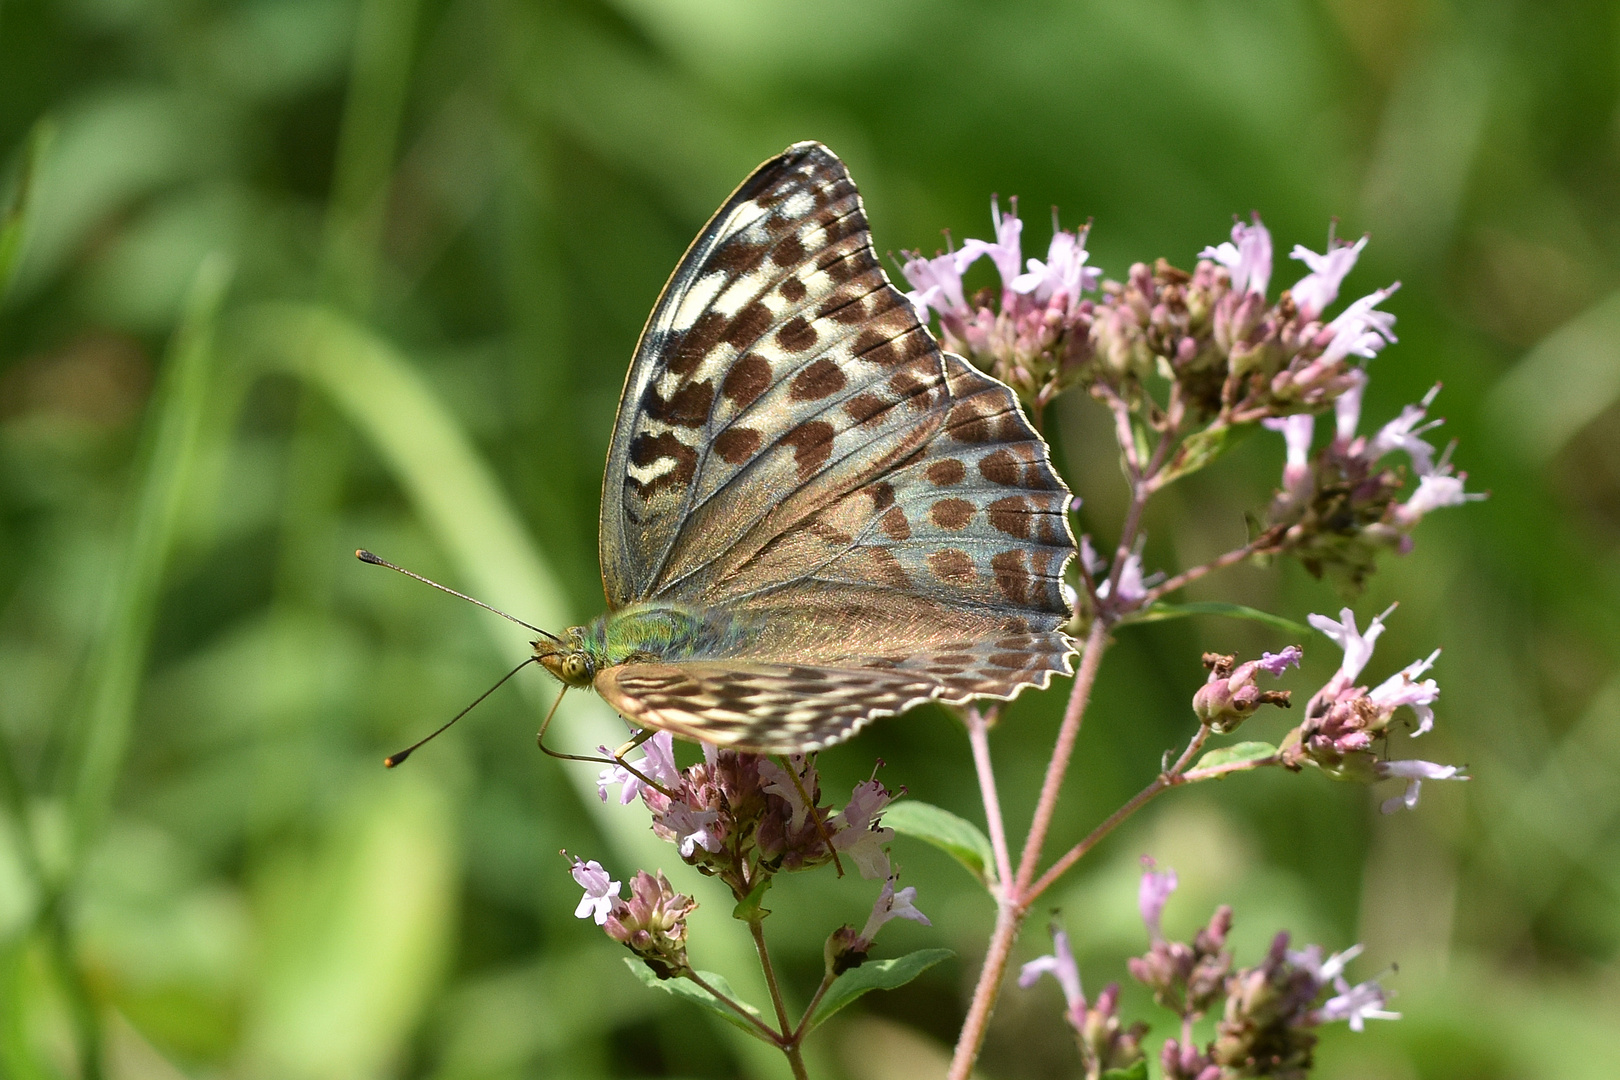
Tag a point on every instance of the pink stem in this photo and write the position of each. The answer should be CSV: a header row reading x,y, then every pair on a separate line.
x,y
979,738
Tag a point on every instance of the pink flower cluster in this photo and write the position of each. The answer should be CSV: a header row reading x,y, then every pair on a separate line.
x,y
1347,724
1268,1012
742,818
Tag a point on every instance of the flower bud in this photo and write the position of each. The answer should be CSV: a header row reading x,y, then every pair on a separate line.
x,y
1230,696
652,924
845,949
1106,1042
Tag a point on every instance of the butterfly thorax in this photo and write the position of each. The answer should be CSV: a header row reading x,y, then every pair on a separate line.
x,y
645,633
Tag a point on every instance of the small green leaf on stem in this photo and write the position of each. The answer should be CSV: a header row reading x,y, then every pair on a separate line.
x,y
1199,449
751,907
1236,753
1139,1071
955,836
691,991
1161,611
875,975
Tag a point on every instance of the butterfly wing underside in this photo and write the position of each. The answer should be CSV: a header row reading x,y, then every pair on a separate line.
x,y
793,446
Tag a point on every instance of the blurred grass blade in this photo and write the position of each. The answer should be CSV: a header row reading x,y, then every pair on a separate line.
x,y
462,504
175,417
1161,611
442,473
1562,384
378,86
14,220
353,941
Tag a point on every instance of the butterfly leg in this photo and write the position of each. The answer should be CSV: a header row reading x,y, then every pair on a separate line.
x,y
821,826
640,737
616,759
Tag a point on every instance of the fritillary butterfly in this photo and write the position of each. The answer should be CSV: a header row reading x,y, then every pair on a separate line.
x,y
812,516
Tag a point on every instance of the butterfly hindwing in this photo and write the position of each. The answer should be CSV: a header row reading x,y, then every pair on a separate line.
x,y
764,708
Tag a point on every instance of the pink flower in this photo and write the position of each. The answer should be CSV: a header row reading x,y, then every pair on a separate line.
x,y
892,905
1435,491
1357,1004
1323,970
1402,688
1152,894
1297,431
1360,330
1402,433
1132,585
777,782
936,283
857,833
693,829
1277,663
1063,273
1062,967
1358,647
1316,290
1414,773
600,893
1347,407
1247,257
1005,252
657,763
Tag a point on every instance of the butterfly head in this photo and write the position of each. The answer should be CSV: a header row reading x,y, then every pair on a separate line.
x,y
567,658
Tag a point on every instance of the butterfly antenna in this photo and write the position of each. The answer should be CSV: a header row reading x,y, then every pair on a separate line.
x,y
394,759
367,557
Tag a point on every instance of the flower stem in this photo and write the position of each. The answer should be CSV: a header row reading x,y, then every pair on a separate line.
x,y
1057,768
810,1010
1265,543
1171,777
1010,906
764,1029
987,990
795,1057
756,927
978,728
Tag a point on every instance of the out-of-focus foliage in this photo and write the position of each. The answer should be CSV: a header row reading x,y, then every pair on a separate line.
x,y
295,276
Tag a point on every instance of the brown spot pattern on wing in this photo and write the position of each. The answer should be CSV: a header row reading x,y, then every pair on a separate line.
x,y
801,448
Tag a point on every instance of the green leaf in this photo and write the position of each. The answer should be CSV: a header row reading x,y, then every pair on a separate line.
x,y
14,219
751,907
691,991
1139,1071
1237,752
957,837
875,975
1201,449
1161,611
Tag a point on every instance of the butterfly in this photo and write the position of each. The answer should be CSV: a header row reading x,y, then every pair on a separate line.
x,y
812,516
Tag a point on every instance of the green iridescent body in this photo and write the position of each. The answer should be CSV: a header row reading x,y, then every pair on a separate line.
x,y
649,632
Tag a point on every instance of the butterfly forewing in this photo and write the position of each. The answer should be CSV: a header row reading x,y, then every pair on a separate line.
x,y
793,447
733,326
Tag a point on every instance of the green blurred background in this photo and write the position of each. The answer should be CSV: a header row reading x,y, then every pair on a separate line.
x,y
298,276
